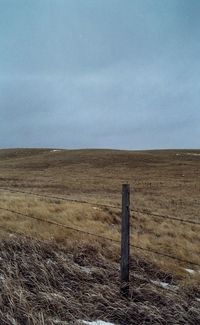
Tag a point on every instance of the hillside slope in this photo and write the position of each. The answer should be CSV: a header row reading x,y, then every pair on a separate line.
x,y
51,274
43,283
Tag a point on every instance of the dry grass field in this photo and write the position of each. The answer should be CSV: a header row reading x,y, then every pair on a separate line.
x,y
163,182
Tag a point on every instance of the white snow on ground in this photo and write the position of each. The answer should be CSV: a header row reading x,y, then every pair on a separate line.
x,y
96,208
98,322
193,272
55,150
190,271
198,299
193,154
85,269
165,285
189,154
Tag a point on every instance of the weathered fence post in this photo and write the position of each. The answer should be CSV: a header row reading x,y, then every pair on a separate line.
x,y
125,239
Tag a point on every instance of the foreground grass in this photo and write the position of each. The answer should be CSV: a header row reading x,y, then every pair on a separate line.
x,y
162,236
45,283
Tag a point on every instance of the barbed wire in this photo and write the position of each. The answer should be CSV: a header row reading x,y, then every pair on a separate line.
x,y
166,217
147,278
100,236
61,198
164,255
57,224
106,206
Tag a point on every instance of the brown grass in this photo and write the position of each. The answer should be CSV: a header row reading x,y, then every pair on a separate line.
x,y
43,283
164,182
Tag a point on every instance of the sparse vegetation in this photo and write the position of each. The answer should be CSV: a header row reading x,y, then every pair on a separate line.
x,y
43,283
165,182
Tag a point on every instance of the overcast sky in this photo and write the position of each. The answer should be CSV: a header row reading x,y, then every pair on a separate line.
x,y
100,73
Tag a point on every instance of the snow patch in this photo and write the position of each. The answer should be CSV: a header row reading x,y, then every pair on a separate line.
x,y
55,150
198,299
193,272
188,154
85,269
165,285
98,322
193,154
190,271
96,208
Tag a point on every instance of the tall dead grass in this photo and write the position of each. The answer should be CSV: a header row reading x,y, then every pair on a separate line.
x,y
43,283
166,182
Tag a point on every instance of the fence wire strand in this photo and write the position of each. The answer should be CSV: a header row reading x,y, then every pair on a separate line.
x,y
143,212
100,236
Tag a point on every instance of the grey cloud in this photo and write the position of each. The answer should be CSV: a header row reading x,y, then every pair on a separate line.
x,y
99,73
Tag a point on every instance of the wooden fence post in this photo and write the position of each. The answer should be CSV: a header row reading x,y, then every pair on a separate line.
x,y
125,239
